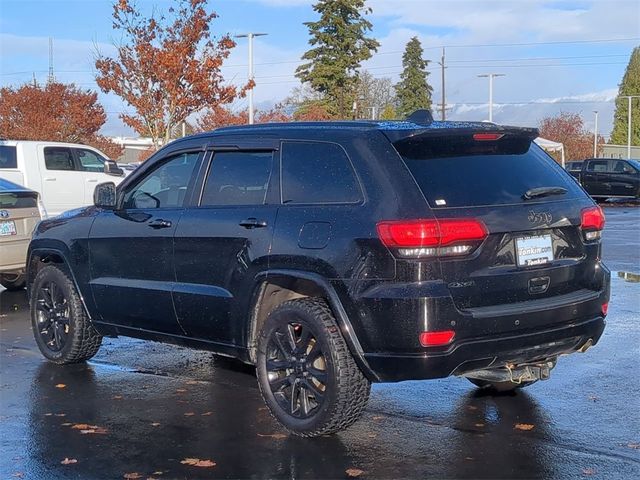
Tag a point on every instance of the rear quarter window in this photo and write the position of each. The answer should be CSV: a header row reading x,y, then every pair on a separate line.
x,y
317,172
8,157
458,172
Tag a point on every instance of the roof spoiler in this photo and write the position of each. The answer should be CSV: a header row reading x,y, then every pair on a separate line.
x,y
421,117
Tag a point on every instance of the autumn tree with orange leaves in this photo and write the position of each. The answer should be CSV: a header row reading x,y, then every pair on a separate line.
x,y
568,129
166,68
55,112
224,117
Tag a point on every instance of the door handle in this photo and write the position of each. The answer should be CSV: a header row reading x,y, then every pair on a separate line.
x,y
49,179
92,180
253,223
159,223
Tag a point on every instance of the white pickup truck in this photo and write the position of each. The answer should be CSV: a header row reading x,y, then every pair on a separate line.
x,y
65,174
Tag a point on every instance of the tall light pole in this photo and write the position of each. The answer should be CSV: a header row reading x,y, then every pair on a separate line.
x,y
251,36
491,76
595,137
629,97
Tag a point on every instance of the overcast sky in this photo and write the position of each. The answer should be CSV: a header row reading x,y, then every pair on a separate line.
x,y
557,55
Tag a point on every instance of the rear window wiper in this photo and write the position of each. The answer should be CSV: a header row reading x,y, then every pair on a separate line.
x,y
543,192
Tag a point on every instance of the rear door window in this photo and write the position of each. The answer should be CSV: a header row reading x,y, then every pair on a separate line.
x,y
58,158
8,157
317,172
459,172
237,178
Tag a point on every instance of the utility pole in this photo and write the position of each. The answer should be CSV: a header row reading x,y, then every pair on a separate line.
x,y
443,108
595,137
51,78
251,36
491,76
629,97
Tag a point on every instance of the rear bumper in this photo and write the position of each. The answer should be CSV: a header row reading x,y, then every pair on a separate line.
x,y
487,352
13,254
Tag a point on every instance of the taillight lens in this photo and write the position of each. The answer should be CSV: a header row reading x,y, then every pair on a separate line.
x,y
487,137
592,222
434,237
605,309
435,339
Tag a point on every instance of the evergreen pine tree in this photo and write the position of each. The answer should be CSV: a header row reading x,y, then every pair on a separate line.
x,y
339,44
413,91
630,86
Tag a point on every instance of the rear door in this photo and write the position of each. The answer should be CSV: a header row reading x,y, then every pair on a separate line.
x,y
595,176
528,238
222,242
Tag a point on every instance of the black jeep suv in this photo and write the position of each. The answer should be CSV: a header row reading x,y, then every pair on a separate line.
x,y
332,255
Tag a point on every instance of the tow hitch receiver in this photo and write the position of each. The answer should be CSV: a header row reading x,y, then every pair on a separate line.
x,y
527,372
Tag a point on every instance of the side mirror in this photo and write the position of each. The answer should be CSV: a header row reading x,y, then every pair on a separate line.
x,y
104,196
112,168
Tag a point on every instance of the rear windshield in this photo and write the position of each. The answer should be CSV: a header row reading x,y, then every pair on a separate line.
x,y
8,157
18,200
459,172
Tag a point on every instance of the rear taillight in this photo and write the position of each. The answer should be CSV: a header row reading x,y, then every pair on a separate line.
x,y
435,339
592,223
430,238
605,309
487,137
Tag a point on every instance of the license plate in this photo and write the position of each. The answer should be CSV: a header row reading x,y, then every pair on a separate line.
x,y
8,228
532,251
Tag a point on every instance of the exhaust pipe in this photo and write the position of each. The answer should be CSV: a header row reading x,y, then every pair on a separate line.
x,y
587,345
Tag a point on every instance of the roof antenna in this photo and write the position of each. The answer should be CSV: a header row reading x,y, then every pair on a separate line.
x,y
421,117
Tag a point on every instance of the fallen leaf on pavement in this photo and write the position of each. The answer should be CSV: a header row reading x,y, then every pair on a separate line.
x,y
277,436
593,398
68,461
89,429
634,445
82,426
189,414
66,424
377,417
193,382
18,475
206,414
588,471
132,476
60,385
61,414
48,414
472,407
180,390
159,472
354,472
524,426
478,424
196,462
117,397
155,424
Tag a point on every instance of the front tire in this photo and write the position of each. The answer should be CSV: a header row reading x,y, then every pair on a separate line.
x,y
13,282
61,327
306,374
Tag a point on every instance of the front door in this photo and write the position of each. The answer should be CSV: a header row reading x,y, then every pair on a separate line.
x,y
222,243
131,248
62,185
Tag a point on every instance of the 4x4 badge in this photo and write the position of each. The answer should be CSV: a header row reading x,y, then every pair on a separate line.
x,y
540,217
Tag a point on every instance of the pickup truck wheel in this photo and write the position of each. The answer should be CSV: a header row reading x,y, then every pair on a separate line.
x,y
13,282
306,374
61,327
500,386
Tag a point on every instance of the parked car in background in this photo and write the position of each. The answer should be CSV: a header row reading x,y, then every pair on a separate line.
x,y
20,211
574,168
65,174
610,177
332,255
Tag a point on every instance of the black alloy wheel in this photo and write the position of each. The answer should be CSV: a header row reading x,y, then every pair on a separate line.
x,y
52,316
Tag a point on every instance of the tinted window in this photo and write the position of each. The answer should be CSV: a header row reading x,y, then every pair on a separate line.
x,y
8,157
598,166
238,178
90,161
165,186
19,200
314,172
453,172
622,167
58,158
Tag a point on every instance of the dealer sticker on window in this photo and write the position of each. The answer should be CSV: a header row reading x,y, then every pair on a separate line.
x,y
532,251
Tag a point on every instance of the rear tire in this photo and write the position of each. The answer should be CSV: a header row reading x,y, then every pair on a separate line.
x,y
500,387
62,329
13,282
306,374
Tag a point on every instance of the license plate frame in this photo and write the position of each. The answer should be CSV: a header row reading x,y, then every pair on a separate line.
x,y
534,250
8,228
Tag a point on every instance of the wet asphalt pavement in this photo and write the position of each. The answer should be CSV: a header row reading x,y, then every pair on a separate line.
x,y
140,409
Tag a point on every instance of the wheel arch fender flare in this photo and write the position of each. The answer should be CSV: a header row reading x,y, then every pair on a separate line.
x,y
332,298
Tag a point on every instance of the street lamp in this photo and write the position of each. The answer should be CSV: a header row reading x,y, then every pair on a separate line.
x,y
251,36
491,76
595,136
